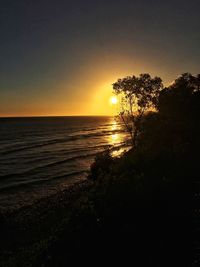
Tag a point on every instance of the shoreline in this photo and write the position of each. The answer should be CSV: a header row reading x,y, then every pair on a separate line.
x,y
28,194
61,192
39,224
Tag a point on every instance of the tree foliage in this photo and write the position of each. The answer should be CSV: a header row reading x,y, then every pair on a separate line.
x,y
181,98
138,95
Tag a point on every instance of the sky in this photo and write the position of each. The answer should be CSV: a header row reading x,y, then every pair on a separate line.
x,y
60,57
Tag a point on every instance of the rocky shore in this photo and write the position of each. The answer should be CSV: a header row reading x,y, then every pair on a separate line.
x,y
28,231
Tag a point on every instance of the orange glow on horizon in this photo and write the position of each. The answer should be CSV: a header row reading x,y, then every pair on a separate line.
x,y
88,92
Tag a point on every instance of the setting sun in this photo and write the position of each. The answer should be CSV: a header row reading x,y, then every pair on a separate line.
x,y
113,100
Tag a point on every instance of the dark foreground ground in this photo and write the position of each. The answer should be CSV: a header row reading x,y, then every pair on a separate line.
x,y
65,229
28,233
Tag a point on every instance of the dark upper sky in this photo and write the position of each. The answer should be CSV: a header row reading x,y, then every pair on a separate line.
x,y
60,57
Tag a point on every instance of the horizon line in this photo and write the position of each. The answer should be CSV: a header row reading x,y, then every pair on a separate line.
x,y
53,116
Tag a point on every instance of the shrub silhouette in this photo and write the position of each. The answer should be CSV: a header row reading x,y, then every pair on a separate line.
x,y
150,186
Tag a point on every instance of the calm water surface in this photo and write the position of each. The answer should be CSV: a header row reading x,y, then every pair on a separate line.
x,y
40,155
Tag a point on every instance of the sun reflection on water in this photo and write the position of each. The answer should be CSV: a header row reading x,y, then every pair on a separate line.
x,y
114,126
114,139
117,139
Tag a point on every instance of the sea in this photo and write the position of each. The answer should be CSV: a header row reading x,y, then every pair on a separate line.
x,y
41,155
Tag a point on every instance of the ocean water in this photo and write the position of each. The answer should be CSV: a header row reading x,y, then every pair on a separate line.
x,y
39,155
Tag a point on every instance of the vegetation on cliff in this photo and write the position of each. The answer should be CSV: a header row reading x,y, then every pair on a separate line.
x,y
136,208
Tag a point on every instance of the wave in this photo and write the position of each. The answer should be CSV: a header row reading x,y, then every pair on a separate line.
x,y
36,169
46,150
23,183
63,140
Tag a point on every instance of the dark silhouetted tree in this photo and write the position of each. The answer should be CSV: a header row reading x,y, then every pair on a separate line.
x,y
181,99
138,95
